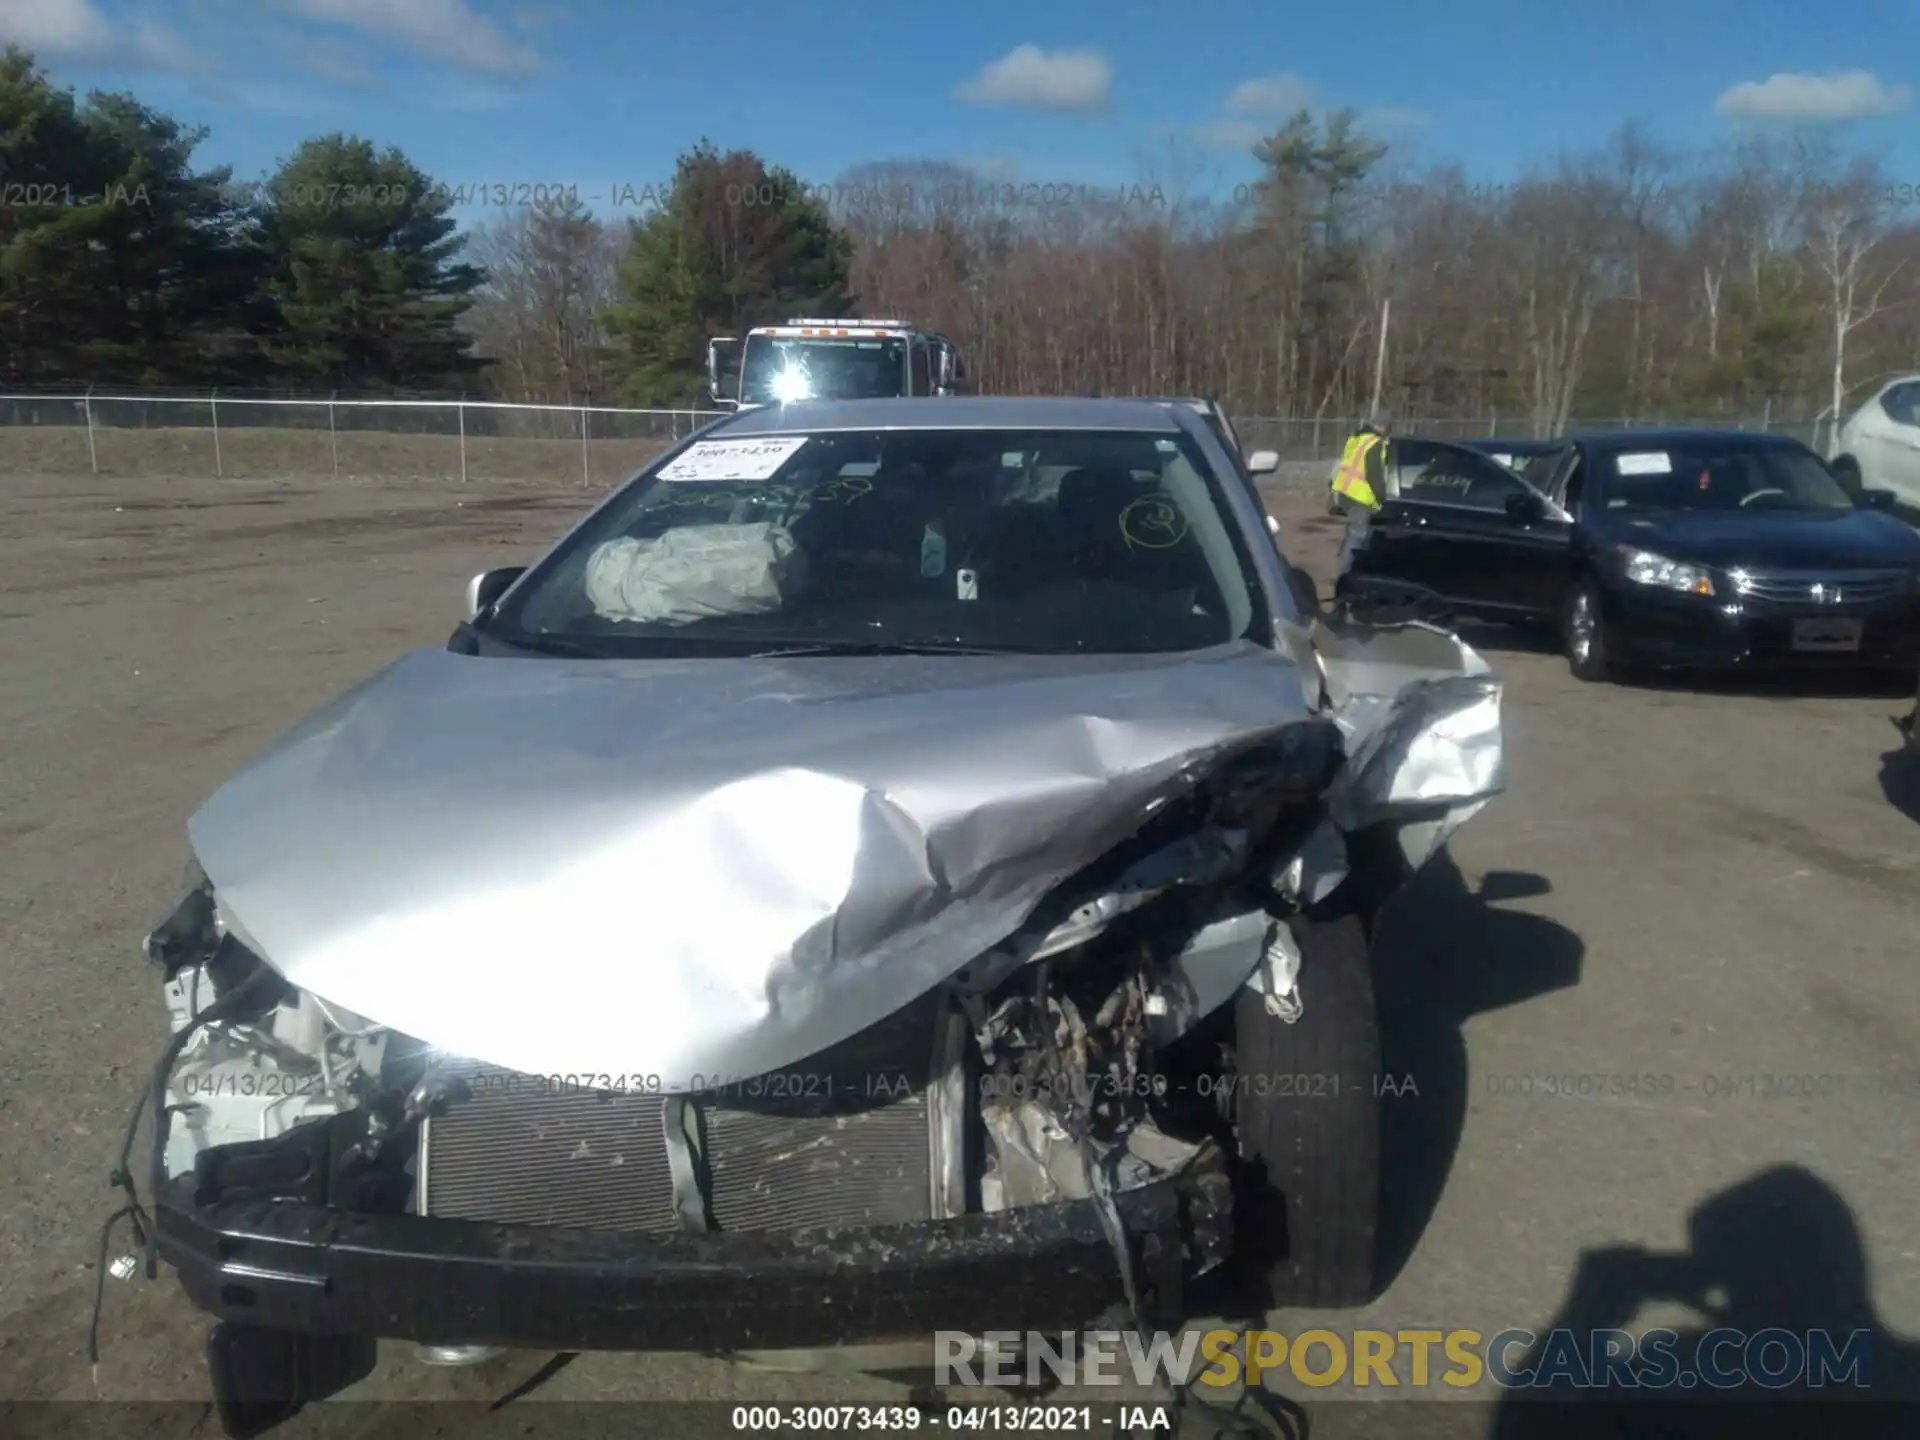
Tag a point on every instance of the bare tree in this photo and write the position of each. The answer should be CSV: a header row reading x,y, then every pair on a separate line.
x,y
1626,283
1844,232
551,271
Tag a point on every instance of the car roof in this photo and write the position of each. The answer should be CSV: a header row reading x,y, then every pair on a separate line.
x,y
1479,444
1517,447
1608,440
955,412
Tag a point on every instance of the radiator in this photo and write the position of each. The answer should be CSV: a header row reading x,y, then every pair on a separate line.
x,y
864,1134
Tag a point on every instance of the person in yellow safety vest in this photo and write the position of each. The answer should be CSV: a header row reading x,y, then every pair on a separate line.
x,y
1360,476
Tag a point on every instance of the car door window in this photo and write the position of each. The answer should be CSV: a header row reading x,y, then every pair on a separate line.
x,y
1542,471
1902,404
1458,477
1233,436
1218,425
1406,461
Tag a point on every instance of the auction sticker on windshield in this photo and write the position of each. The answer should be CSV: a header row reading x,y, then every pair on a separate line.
x,y
732,459
1645,462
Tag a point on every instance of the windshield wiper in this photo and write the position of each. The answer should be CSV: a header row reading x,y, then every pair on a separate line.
x,y
559,646
891,647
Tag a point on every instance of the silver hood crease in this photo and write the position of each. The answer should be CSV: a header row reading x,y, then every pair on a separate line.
x,y
685,872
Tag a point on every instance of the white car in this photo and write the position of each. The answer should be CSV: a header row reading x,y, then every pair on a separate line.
x,y
1879,447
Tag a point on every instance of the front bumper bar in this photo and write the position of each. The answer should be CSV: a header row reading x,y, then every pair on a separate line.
x,y
1693,632
311,1269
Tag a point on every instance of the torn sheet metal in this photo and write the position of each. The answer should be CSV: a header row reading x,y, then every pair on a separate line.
x,y
1277,977
1316,869
720,867
1421,712
1035,1161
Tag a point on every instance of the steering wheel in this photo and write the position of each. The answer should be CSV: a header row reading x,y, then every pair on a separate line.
x,y
1748,499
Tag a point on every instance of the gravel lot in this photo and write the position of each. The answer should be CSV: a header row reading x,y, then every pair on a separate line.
x,y
1717,893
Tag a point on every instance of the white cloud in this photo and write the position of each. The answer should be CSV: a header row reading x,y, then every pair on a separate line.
x,y
265,98
450,30
1232,134
338,64
77,30
1030,77
1283,95
1280,94
1847,95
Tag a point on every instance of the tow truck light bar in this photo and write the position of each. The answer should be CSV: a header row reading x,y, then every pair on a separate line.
x,y
857,324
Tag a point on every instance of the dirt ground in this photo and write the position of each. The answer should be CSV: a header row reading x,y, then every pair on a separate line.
x,y
1676,957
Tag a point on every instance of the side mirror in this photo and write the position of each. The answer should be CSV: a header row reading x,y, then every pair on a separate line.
x,y
488,586
943,372
1525,507
1879,499
1263,462
721,386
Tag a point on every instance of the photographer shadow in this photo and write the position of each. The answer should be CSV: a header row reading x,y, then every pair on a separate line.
x,y
1900,768
1780,1251
1444,952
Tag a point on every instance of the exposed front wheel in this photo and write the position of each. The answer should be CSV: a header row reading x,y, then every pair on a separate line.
x,y
1307,1109
1585,633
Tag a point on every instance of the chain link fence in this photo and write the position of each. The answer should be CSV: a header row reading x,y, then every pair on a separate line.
x,y
476,440
341,439
1310,440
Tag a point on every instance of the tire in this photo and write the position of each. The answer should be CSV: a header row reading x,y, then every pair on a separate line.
x,y
1311,1162
1587,655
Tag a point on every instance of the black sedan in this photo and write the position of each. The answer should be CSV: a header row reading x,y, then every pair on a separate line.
x,y
1672,549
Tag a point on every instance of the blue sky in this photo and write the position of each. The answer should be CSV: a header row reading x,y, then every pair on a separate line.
x,y
603,95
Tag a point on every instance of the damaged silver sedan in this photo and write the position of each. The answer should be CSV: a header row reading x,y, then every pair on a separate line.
x,y
894,866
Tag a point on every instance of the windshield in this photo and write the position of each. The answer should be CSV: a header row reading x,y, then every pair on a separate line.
x,y
774,370
1049,542
1720,475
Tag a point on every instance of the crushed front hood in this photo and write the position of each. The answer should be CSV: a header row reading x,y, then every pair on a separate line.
x,y
674,872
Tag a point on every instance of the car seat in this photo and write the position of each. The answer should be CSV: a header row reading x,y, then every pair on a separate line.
x,y
1087,514
1127,531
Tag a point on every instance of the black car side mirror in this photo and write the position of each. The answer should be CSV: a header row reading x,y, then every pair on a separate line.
x,y
1878,499
1525,507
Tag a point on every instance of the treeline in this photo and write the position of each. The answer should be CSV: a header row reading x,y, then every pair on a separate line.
x,y
1769,277
121,264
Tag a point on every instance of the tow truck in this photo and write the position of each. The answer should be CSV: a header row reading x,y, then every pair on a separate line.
x,y
831,360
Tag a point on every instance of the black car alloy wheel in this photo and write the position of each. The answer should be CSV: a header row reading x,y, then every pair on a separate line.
x,y
1586,634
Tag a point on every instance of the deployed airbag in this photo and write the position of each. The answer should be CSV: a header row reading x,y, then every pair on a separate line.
x,y
694,572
